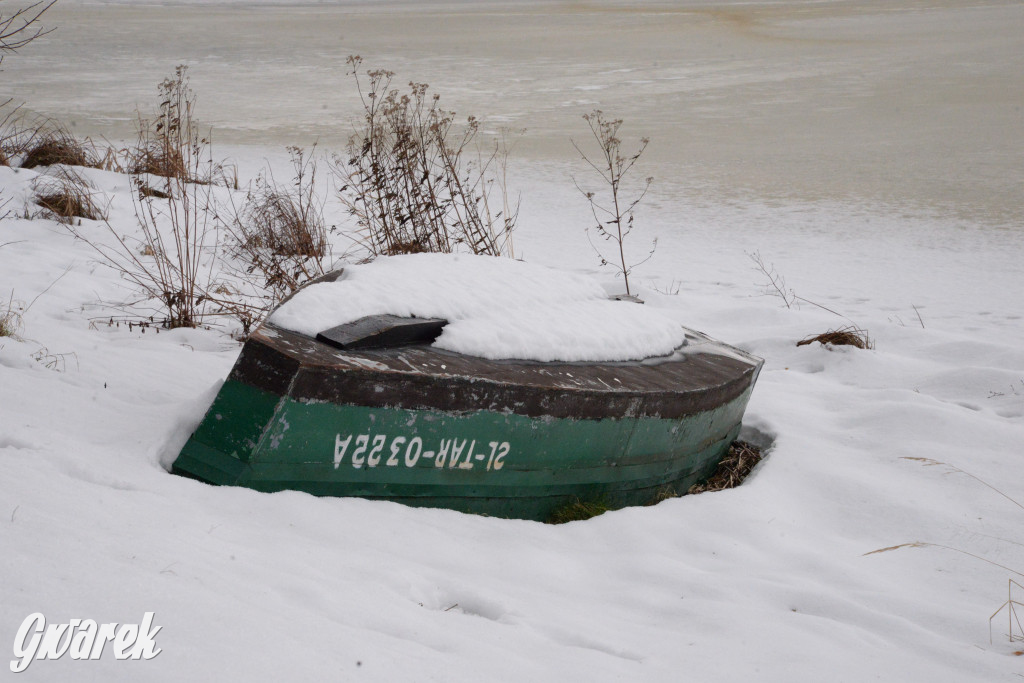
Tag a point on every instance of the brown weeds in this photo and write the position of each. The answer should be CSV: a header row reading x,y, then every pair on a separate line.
x,y
410,182
147,191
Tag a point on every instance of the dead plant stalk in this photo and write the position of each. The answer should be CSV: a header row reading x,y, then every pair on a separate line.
x,y
1010,603
613,166
172,262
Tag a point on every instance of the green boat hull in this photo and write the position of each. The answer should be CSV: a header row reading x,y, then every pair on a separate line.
x,y
413,436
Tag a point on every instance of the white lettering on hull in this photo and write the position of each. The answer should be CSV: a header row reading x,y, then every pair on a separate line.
x,y
451,453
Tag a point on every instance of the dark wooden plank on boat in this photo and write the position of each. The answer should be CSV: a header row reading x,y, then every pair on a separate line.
x,y
423,377
383,331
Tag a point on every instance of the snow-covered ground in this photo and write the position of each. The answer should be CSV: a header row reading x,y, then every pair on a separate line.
x,y
766,582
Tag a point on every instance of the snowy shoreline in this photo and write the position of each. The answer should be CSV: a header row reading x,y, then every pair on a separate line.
x,y
774,569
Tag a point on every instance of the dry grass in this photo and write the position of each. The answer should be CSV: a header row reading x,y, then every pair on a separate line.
x,y
279,234
11,322
1011,605
278,222
844,336
66,195
154,156
576,511
109,160
734,468
50,144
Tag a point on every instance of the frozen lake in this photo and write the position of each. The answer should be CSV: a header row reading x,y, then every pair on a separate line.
x,y
916,107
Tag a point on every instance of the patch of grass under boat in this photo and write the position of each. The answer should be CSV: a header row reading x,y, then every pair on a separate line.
x,y
734,468
577,510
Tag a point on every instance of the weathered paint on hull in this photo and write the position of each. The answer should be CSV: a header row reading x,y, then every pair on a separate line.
x,y
498,463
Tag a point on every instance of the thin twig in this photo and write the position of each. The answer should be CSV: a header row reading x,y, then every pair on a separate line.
x,y
929,462
923,544
918,315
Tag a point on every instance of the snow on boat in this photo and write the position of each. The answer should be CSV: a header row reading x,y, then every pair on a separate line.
x,y
377,407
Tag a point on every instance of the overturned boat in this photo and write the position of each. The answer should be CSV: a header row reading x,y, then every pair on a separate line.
x,y
375,408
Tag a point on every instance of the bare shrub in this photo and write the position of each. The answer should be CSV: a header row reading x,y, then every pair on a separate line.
x,y
65,195
172,262
22,27
175,226
17,30
409,180
168,142
614,218
279,233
